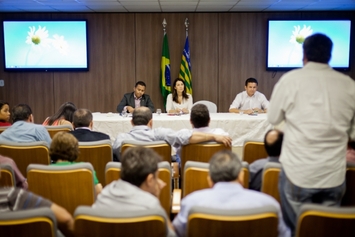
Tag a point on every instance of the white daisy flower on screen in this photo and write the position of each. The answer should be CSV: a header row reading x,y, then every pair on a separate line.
x,y
37,38
60,44
299,35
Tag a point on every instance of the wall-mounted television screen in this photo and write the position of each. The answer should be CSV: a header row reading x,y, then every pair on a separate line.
x,y
285,39
45,45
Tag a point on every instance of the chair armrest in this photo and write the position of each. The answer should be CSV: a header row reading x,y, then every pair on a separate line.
x,y
175,208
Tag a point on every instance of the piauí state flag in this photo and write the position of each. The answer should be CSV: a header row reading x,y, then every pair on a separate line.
x,y
185,67
165,79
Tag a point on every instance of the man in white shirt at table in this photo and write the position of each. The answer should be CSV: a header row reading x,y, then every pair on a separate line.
x,y
142,122
250,100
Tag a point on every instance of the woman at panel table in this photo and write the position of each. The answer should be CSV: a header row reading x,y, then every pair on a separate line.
x,y
4,114
179,101
64,115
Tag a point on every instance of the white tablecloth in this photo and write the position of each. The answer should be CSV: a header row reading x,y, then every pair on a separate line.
x,y
239,127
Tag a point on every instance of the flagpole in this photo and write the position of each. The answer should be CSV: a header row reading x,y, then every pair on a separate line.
x,y
187,26
164,25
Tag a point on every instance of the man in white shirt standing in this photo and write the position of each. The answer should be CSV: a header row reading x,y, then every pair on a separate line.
x,y
250,100
318,106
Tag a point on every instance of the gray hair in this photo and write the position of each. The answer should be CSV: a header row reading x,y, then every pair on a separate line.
x,y
225,166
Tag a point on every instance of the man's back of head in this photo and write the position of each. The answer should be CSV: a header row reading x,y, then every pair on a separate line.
x,y
318,48
199,116
82,118
273,142
137,164
141,116
21,112
225,166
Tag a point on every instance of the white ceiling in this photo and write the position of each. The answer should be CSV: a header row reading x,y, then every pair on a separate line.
x,y
173,5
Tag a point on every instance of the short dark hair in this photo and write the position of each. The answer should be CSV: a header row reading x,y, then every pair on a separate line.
x,y
64,146
21,112
137,163
199,116
141,116
140,83
251,80
225,166
318,48
82,118
274,148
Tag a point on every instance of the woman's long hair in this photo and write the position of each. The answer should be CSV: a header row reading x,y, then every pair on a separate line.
x,y
65,111
175,95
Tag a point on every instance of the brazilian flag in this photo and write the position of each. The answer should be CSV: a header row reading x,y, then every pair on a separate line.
x,y
165,80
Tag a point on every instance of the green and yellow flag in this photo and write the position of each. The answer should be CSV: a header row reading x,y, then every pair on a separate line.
x,y
185,67
165,80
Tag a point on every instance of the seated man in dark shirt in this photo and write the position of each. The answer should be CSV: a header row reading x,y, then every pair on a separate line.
x,y
273,143
82,123
16,199
135,99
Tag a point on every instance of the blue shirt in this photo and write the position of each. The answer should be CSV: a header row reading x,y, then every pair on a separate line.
x,y
226,195
22,131
256,171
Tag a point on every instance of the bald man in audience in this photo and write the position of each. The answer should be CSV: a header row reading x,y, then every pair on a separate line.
x,y
82,123
272,143
226,193
142,121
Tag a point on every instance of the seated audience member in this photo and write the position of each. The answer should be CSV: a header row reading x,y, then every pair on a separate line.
x,y
142,131
21,182
64,115
200,120
17,199
64,150
23,129
250,100
82,123
226,192
4,114
135,99
179,101
273,143
139,186
350,153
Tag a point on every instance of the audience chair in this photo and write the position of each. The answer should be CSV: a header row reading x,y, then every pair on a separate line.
x,y
209,222
52,130
320,220
2,128
161,147
7,176
26,153
113,170
98,153
90,222
270,180
39,222
245,168
349,196
201,152
69,186
194,177
212,107
253,150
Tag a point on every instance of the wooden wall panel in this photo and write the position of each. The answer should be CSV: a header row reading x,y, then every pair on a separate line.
x,y
226,49
112,64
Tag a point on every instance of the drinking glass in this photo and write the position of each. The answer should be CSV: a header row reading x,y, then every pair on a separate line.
x,y
158,111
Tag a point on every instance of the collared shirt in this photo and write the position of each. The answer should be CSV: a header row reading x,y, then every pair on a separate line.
x,y
244,102
22,131
217,131
137,101
229,196
146,134
318,106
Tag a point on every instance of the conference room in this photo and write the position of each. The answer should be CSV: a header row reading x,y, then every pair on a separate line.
x,y
228,42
